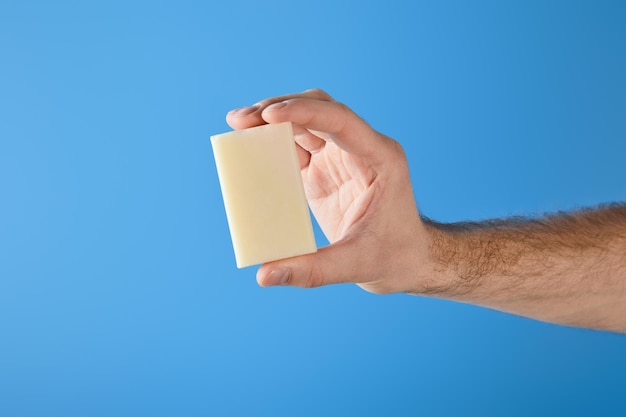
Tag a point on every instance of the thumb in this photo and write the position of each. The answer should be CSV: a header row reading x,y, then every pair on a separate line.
x,y
338,263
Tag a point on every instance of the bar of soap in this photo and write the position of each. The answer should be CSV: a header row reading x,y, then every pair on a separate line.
x,y
267,212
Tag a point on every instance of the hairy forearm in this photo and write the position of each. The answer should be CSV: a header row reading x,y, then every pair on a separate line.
x,y
565,268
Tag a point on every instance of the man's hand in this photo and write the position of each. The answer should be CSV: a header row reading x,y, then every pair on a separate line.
x,y
568,268
358,186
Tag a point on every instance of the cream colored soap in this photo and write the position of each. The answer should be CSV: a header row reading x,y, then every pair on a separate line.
x,y
263,194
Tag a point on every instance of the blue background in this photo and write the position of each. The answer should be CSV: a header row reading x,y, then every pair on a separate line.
x,y
118,288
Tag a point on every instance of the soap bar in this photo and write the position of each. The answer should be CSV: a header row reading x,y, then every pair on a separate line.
x,y
267,212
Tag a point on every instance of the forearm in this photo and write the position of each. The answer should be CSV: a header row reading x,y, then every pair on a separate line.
x,y
568,268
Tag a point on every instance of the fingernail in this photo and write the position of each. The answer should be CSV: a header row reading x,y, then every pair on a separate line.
x,y
276,106
278,276
242,111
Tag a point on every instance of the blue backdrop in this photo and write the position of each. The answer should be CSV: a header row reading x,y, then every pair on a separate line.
x,y
119,294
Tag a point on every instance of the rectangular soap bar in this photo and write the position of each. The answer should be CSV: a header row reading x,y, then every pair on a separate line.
x,y
263,194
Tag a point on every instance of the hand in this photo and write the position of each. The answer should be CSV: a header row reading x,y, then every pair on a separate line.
x,y
357,184
566,269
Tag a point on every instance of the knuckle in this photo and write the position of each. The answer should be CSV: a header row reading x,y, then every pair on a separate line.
x,y
396,152
343,107
318,93
312,281
314,278
264,103
345,111
399,151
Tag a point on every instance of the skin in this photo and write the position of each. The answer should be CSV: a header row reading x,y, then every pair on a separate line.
x,y
567,268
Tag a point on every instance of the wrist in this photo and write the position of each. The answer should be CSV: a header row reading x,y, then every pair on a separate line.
x,y
440,271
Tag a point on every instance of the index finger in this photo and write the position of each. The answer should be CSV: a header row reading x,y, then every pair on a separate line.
x,y
335,121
